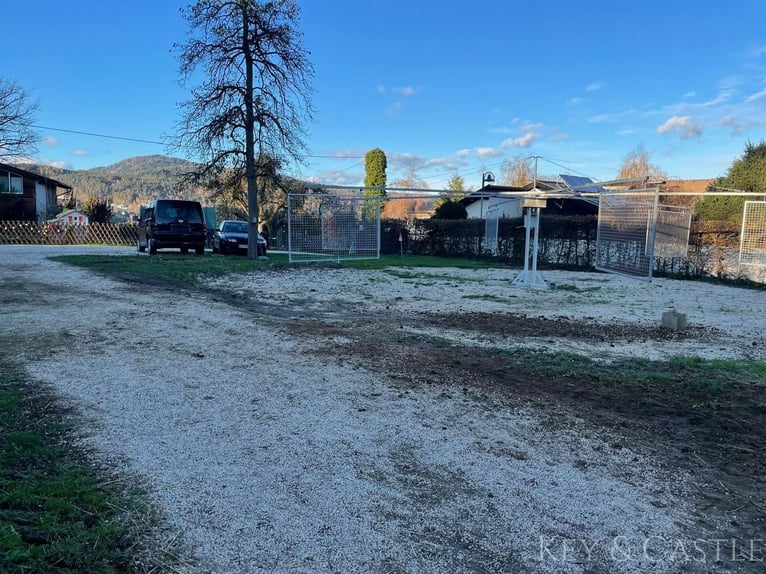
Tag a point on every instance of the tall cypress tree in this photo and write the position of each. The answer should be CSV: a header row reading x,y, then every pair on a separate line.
x,y
374,176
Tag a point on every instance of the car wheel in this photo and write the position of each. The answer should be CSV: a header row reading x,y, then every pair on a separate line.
x,y
184,250
199,250
139,247
215,249
152,247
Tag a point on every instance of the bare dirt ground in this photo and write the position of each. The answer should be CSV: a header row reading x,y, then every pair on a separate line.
x,y
330,420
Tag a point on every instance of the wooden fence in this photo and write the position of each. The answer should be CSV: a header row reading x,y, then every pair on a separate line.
x,y
35,233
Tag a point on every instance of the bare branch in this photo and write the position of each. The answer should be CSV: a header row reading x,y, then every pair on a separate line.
x,y
18,139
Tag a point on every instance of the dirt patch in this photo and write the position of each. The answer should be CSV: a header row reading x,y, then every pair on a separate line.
x,y
586,329
721,446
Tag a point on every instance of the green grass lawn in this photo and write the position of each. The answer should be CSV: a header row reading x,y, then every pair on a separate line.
x,y
187,269
710,373
56,515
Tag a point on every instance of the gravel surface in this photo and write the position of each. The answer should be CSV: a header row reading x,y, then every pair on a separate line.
x,y
264,457
733,318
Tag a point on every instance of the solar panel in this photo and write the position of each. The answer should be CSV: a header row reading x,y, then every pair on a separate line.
x,y
580,183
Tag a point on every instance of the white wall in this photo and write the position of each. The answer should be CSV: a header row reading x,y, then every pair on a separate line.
x,y
507,207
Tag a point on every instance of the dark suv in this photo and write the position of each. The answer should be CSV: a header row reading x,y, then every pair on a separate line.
x,y
172,223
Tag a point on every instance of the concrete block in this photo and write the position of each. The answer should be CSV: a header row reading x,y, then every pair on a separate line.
x,y
674,320
669,320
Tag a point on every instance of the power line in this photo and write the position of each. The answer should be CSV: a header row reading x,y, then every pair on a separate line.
x,y
122,138
97,135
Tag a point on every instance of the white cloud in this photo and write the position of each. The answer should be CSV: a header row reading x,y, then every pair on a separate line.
x,y
626,132
405,91
81,153
50,141
594,87
756,96
523,142
602,118
758,51
394,109
338,177
348,154
575,101
443,164
737,127
463,152
688,95
683,125
51,162
405,161
488,152
723,96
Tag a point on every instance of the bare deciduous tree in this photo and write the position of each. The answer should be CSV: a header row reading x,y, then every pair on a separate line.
x,y
516,172
254,96
637,164
18,139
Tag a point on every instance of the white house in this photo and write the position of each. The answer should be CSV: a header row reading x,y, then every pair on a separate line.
x,y
69,217
505,204
506,199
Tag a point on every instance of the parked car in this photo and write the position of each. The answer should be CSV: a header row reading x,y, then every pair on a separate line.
x,y
231,237
172,224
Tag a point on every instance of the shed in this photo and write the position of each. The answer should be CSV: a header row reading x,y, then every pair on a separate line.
x,y
507,200
27,195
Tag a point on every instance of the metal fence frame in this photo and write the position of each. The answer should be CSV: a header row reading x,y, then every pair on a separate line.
x,y
752,247
491,226
627,223
332,227
674,224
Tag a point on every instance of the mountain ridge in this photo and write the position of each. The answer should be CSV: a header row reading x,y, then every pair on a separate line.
x,y
131,182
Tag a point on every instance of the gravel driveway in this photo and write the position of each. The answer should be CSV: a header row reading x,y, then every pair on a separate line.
x,y
265,456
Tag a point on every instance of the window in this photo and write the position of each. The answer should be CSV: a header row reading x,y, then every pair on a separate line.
x,y
17,184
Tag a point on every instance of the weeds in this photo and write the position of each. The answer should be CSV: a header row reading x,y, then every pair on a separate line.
x,y
54,514
692,375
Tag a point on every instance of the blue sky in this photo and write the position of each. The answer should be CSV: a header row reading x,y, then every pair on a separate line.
x,y
442,87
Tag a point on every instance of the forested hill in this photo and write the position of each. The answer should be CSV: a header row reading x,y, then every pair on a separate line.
x,y
131,182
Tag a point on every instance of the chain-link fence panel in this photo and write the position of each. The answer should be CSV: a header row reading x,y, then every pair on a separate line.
x,y
752,249
335,227
672,237
625,235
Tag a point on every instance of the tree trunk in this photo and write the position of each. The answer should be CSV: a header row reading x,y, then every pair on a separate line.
x,y
252,182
